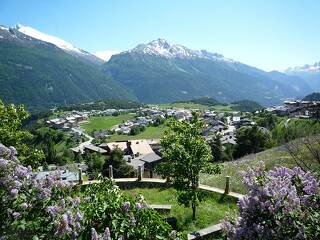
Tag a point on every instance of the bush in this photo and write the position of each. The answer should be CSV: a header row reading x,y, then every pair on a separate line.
x,y
281,204
49,208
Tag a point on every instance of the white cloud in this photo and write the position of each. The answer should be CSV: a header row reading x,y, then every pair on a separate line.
x,y
106,55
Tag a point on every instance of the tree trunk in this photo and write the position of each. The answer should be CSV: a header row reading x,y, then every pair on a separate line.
x,y
193,211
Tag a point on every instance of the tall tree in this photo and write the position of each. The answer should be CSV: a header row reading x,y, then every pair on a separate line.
x,y
119,164
187,155
216,148
12,134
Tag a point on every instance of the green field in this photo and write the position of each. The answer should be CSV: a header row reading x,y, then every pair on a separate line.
x,y
149,133
271,158
209,212
105,122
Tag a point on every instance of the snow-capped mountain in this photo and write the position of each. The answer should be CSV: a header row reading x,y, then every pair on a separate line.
x,y
306,68
60,43
163,48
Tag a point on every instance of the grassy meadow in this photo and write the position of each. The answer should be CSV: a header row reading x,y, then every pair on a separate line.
x,y
149,133
105,122
209,212
271,158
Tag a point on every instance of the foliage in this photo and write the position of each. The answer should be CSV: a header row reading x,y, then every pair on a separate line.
x,y
216,149
104,105
315,96
120,166
126,218
95,163
246,106
187,155
48,208
135,130
290,129
306,152
11,133
207,101
281,204
251,140
32,208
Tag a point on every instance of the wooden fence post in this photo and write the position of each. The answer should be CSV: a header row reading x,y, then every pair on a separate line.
x,y
139,173
80,176
110,172
227,189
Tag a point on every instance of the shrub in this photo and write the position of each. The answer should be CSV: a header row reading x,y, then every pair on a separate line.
x,y
49,208
281,204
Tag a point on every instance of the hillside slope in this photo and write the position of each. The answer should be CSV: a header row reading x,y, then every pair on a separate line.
x,y
41,75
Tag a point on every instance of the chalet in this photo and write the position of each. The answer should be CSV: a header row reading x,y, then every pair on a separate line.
x,y
94,149
123,146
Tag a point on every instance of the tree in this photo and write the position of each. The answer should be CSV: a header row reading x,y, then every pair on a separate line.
x,y
306,152
11,134
120,166
216,149
251,140
187,155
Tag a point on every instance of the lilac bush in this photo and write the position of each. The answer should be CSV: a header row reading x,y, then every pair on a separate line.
x,y
54,209
32,208
281,204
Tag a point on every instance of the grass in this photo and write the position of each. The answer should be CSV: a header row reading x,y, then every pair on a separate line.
x,y
105,122
148,133
209,212
271,158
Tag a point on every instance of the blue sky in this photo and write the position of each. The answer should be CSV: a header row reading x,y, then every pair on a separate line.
x,y
273,34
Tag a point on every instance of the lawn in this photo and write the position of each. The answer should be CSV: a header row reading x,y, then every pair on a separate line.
x,y
209,212
271,158
149,133
105,122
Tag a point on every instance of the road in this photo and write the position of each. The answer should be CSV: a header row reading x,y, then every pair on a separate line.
x,y
83,144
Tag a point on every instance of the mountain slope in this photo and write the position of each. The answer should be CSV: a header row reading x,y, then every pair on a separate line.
x,y
163,72
310,73
60,43
40,75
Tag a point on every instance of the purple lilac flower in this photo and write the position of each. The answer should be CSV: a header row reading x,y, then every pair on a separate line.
x,y
24,205
75,202
106,235
274,199
138,206
16,215
126,206
79,216
21,171
53,210
94,234
3,164
14,192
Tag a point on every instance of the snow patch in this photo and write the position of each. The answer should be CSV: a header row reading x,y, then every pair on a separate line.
x,y
47,38
4,28
306,68
106,55
163,48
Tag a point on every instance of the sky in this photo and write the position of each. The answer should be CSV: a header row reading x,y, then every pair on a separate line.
x,y
271,35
